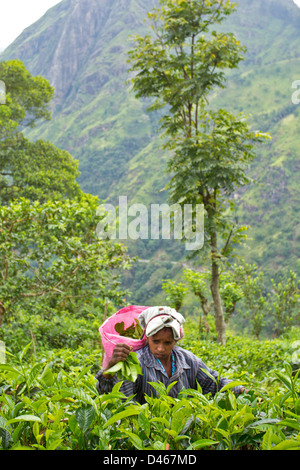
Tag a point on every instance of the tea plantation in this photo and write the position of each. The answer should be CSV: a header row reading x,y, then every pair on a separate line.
x,y
48,400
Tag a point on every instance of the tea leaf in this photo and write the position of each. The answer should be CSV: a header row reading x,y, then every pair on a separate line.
x,y
288,444
133,331
24,418
144,424
127,370
132,411
136,440
202,443
85,416
47,378
6,437
267,440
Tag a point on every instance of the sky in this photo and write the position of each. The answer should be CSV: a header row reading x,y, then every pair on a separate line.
x,y
16,15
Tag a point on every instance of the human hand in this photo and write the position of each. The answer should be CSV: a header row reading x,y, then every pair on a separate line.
x,y
120,353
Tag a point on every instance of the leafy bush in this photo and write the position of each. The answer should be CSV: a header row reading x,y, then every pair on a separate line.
x,y
53,403
52,259
51,331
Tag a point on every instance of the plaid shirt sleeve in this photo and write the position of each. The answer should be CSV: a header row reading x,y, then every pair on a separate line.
x,y
209,380
105,385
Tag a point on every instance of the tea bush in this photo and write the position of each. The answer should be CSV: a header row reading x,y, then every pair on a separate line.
x,y
52,403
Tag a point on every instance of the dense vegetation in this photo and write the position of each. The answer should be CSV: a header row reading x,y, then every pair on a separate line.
x,y
59,281
49,401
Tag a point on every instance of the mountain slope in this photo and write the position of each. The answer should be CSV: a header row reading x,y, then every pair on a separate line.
x,y
81,47
262,89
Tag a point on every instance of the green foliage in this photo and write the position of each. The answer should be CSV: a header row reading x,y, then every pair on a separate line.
x,y
54,175
230,292
27,97
174,293
52,403
198,283
54,328
133,331
254,305
284,302
34,170
126,370
183,61
248,299
276,307
53,265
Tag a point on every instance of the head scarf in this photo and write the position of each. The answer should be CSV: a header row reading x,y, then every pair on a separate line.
x,y
154,319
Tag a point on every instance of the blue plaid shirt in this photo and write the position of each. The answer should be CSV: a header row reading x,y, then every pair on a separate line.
x,y
187,373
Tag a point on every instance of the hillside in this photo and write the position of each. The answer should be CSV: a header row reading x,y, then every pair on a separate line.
x,y
81,47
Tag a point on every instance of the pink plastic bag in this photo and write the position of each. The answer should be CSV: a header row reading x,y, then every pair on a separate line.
x,y
110,338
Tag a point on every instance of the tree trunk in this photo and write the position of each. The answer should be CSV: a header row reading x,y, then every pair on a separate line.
x,y
2,312
219,316
215,291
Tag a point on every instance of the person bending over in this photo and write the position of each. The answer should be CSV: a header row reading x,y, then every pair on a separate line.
x,y
162,360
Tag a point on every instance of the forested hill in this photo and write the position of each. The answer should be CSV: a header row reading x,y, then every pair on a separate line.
x,y
81,47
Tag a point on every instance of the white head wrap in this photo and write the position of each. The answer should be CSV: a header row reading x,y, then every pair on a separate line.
x,y
154,319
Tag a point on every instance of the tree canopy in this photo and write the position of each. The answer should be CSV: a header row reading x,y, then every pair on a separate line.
x,y
34,170
51,259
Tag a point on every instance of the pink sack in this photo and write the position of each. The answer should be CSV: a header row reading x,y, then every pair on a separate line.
x,y
110,338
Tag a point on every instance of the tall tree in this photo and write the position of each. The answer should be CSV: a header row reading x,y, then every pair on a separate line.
x,y
179,65
35,170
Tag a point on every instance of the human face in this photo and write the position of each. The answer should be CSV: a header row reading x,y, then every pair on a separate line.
x,y
161,344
